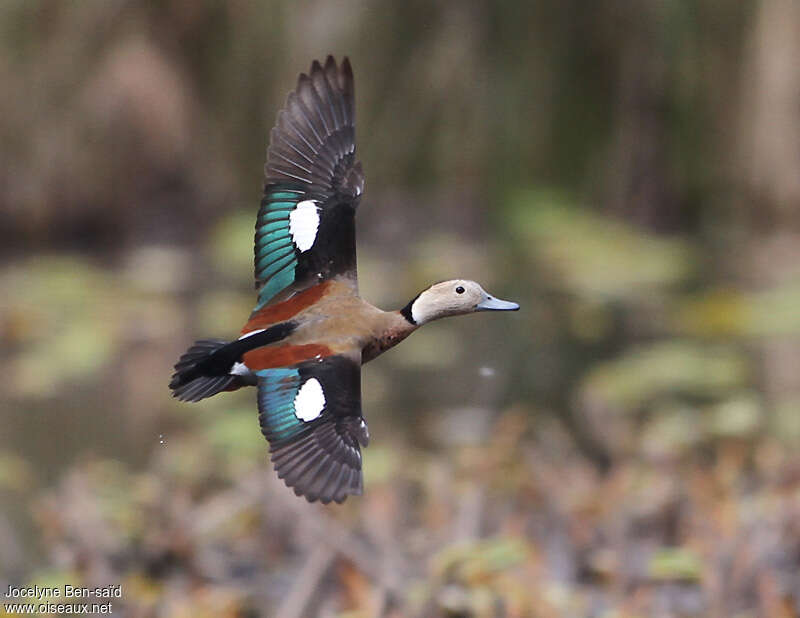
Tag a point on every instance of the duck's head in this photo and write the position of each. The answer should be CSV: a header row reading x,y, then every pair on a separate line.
x,y
455,297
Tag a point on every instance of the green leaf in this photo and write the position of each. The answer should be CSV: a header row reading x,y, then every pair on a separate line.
x,y
593,256
675,563
672,367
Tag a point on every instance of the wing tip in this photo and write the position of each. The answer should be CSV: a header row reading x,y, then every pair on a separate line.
x,y
314,473
341,75
331,492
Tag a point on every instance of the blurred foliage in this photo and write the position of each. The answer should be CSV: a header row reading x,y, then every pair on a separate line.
x,y
593,256
626,445
673,368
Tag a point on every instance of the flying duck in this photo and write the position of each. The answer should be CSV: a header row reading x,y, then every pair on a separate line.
x,y
310,331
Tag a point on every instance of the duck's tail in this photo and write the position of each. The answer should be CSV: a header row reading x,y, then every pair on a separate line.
x,y
204,370
211,366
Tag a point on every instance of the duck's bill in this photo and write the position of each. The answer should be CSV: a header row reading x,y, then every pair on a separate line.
x,y
495,304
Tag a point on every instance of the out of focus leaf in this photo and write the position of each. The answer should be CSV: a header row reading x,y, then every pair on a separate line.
x,y
680,367
744,314
675,563
720,312
594,256
735,417
63,326
475,561
671,431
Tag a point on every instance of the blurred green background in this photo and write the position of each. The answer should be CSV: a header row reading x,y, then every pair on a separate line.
x,y
626,445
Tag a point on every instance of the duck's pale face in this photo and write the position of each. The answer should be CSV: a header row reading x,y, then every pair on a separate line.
x,y
455,297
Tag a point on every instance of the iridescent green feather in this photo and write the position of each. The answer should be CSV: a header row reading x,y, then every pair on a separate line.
x,y
279,281
277,390
275,259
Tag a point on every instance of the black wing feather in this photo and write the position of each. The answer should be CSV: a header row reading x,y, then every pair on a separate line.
x,y
321,458
311,156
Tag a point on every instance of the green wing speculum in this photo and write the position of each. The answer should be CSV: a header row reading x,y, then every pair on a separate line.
x,y
311,415
305,232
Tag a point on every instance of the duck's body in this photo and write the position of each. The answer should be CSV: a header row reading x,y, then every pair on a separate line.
x,y
305,341
332,312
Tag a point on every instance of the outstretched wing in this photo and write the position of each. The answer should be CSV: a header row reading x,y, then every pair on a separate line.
x,y
311,415
305,232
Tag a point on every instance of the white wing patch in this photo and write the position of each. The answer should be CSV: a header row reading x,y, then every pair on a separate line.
x,y
303,224
309,401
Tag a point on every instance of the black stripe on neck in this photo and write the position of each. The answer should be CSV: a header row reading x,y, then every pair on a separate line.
x,y
406,311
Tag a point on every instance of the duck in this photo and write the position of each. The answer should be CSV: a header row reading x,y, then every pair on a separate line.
x,y
310,331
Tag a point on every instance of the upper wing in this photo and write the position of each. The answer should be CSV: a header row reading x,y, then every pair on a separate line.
x,y
305,231
311,415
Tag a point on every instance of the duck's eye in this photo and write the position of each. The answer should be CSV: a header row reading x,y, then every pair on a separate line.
x,y
460,289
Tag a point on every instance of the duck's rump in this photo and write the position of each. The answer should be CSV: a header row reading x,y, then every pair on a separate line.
x,y
211,366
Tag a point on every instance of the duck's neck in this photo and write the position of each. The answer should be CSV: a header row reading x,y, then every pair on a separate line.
x,y
391,329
